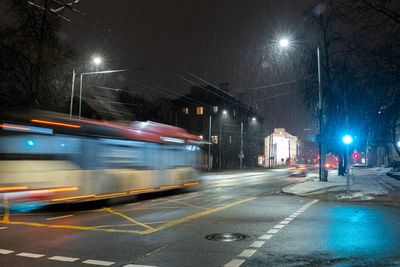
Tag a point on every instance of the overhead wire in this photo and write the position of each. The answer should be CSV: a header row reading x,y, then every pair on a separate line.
x,y
69,6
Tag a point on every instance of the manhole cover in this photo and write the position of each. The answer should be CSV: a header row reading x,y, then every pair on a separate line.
x,y
226,237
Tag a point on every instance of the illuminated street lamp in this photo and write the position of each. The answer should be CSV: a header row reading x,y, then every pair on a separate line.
x,y
97,61
284,43
347,140
398,143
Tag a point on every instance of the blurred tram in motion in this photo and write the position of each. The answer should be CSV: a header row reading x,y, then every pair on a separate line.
x,y
54,159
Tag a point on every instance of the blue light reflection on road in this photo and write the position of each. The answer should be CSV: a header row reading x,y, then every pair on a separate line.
x,y
359,230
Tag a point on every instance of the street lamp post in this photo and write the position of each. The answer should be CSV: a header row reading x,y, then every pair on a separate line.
x,y
72,93
284,43
97,61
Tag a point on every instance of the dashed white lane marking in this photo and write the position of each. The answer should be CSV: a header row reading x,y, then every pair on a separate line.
x,y
59,217
96,262
247,253
284,222
288,219
234,263
273,231
257,244
279,226
136,265
61,258
5,251
265,237
1,228
30,255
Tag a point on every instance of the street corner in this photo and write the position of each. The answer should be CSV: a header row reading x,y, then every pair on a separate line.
x,y
302,187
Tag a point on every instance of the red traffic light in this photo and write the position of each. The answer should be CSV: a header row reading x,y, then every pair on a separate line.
x,y
356,155
337,159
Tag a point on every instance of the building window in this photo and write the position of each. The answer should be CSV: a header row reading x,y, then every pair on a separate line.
x,y
214,139
230,139
186,110
215,109
199,110
234,113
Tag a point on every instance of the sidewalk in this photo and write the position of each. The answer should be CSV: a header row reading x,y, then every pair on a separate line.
x,y
368,184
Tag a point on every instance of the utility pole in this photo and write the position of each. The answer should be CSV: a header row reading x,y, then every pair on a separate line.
x,y
322,176
209,145
220,142
241,144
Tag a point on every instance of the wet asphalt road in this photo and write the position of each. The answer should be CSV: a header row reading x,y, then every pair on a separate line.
x,y
169,229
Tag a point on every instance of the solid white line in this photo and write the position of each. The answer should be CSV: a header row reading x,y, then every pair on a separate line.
x,y
257,244
265,237
247,253
96,262
30,255
279,226
1,228
273,231
234,263
59,217
5,251
61,258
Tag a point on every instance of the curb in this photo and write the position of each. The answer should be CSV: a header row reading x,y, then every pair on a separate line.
x,y
294,183
309,192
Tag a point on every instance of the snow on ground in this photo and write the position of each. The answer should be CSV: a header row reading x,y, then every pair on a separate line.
x,y
365,183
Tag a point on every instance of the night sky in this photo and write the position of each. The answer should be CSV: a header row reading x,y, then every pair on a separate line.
x,y
218,41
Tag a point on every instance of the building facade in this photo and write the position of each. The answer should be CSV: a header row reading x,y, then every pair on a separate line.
x,y
282,148
226,124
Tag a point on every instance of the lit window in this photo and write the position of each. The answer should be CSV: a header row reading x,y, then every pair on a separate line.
x,y
234,113
215,109
186,110
214,139
230,139
199,110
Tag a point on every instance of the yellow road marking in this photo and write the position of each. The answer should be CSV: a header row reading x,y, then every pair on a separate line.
x,y
128,218
149,231
194,216
73,227
6,210
156,208
129,224
186,204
